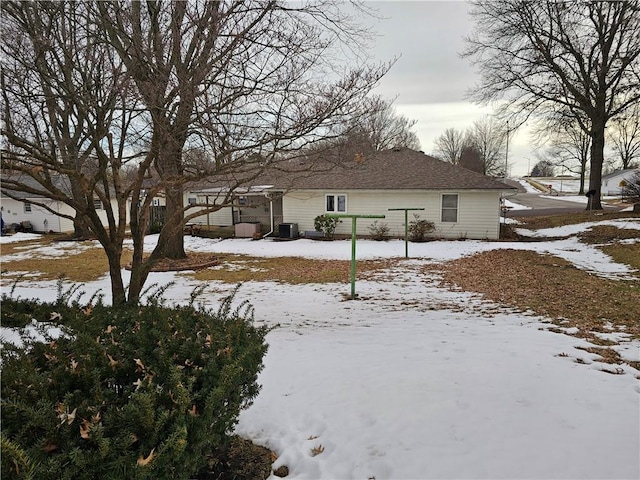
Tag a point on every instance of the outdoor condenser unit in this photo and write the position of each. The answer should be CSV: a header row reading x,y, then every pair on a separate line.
x,y
288,230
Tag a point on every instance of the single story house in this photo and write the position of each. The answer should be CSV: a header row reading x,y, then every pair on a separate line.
x,y
613,183
461,203
26,207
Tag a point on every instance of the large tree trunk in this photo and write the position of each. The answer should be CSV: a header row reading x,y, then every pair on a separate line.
x,y
170,168
597,161
81,230
171,235
118,293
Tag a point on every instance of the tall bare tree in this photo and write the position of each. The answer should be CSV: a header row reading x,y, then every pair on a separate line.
x,y
625,137
542,57
488,136
449,145
69,128
570,149
131,86
382,127
238,78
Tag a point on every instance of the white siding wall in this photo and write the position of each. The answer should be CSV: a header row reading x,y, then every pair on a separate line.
x,y
13,212
611,186
43,220
478,211
221,218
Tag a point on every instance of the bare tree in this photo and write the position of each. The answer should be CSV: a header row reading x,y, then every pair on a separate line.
x,y
544,168
541,57
570,149
471,158
449,145
235,78
625,137
374,127
69,128
382,127
127,88
488,136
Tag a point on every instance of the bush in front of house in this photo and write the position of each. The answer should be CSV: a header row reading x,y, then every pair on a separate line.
x,y
131,393
379,231
326,225
419,229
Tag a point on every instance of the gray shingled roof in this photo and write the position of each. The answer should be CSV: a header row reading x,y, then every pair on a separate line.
x,y
398,169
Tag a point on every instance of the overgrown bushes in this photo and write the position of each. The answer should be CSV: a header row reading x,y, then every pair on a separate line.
x,y
136,393
379,231
326,225
419,229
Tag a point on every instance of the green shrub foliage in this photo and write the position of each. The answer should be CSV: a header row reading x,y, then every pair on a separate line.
x,y
379,231
132,393
326,225
419,229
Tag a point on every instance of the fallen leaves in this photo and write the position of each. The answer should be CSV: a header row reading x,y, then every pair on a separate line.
x,y
144,461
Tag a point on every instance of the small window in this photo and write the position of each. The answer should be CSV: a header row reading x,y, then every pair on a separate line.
x,y
97,204
336,203
27,207
192,200
450,208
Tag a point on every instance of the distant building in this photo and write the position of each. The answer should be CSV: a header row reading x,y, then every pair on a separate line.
x,y
613,183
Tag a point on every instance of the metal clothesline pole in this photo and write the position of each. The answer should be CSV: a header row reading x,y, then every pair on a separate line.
x,y
353,244
406,227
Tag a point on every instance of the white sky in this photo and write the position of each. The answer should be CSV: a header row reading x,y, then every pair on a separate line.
x,y
430,80
413,380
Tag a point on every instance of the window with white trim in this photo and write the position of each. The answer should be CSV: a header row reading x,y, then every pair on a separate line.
x,y
450,207
27,207
192,200
335,203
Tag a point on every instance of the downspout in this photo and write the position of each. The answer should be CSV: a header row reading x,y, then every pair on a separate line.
x,y
267,195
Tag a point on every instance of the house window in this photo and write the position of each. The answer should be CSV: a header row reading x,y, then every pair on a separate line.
x,y
97,204
192,200
450,208
27,207
336,203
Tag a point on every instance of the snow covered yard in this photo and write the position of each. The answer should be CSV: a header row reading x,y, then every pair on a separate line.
x,y
415,381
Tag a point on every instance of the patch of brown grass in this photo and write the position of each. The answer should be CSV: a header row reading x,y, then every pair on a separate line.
x,y
549,286
549,221
627,253
84,266
607,234
294,270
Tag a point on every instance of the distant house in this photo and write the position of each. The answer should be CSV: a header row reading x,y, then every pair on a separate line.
x,y
26,207
613,183
461,203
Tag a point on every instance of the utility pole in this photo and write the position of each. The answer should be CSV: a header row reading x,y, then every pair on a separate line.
x,y
506,154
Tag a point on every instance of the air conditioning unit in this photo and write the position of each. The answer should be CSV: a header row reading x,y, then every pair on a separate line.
x,y
288,230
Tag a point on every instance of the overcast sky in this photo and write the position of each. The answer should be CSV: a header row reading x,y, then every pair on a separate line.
x,y
429,79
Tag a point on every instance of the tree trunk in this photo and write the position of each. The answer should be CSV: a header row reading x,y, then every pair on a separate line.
x,y
597,160
81,230
118,293
171,235
139,274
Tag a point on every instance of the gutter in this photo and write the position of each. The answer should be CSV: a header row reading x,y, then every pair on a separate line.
x,y
268,195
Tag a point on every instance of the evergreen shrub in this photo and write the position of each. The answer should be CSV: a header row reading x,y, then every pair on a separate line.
x,y
419,229
379,231
326,225
142,392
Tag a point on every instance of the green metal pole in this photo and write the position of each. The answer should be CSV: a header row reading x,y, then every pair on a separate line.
x,y
406,234
406,227
353,244
353,258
